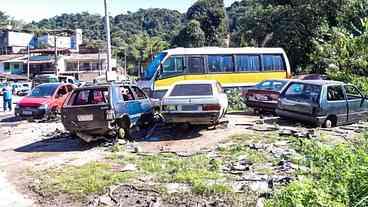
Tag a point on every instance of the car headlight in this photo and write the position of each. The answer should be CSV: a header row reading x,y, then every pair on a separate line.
x,y
43,106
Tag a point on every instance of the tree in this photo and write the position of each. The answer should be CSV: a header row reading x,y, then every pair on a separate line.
x,y
4,19
190,36
211,16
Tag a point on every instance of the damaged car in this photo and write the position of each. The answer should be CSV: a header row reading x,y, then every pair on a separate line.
x,y
323,103
44,101
263,97
106,111
195,103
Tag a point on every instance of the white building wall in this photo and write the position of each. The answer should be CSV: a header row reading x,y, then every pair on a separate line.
x,y
1,67
19,39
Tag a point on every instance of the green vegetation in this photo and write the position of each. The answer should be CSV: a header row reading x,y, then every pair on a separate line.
x,y
318,36
82,181
236,101
338,176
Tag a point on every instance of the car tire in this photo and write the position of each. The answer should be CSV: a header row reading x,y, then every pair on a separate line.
x,y
122,133
329,122
147,120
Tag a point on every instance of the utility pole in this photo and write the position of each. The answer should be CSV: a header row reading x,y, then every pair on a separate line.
x,y
28,59
108,37
125,62
56,54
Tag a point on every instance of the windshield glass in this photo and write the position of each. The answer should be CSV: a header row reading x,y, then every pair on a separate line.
x,y
153,66
192,90
273,85
44,90
301,92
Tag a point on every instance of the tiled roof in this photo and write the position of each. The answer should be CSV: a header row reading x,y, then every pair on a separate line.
x,y
9,57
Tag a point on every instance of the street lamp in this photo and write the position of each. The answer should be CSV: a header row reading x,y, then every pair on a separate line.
x,y
108,37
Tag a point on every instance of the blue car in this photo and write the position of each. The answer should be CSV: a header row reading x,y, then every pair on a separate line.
x,y
106,111
323,103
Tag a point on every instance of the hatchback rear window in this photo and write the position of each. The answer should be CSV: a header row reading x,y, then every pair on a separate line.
x,y
192,90
273,85
301,92
90,97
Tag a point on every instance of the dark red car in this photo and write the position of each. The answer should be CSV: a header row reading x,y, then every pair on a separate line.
x,y
264,95
44,101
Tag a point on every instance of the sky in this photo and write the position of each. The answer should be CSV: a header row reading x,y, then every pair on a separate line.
x,y
28,10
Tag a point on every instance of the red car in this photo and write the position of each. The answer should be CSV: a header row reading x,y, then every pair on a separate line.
x,y
44,101
264,95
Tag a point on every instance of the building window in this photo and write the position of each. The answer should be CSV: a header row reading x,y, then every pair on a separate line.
x,y
6,67
248,63
219,63
16,66
273,63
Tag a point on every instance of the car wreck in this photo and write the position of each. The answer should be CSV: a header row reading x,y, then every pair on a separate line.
x,y
106,111
195,103
323,103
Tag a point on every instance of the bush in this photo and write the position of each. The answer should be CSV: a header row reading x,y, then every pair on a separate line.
x,y
339,177
236,101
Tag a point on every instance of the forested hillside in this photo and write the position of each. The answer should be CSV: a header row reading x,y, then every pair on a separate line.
x,y
319,36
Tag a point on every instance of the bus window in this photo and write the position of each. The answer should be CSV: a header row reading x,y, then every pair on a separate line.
x,y
273,63
172,66
196,65
248,63
217,63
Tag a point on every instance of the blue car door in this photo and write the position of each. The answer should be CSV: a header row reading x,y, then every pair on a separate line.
x,y
144,102
356,103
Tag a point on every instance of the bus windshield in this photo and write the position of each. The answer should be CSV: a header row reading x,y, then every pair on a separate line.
x,y
153,65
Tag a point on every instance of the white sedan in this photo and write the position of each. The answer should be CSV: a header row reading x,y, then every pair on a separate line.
x,y
195,103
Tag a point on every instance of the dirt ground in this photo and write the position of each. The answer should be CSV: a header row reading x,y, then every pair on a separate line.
x,y
31,145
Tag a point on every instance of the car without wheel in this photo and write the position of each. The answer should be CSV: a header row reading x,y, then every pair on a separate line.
x,y
195,103
264,95
323,103
44,101
106,111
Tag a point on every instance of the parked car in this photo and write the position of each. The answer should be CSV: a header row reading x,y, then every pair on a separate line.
x,y
45,78
106,110
44,101
24,89
324,103
264,95
194,102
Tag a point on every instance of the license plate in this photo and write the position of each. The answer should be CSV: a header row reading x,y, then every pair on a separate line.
x,y
88,117
27,112
261,98
189,108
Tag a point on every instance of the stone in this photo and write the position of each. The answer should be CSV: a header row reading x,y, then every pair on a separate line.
x,y
260,187
177,187
106,200
129,167
260,202
239,167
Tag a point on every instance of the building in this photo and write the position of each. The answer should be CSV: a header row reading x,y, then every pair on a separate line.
x,y
11,64
85,67
12,42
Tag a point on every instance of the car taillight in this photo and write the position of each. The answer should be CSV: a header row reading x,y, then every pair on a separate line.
x,y
110,115
211,107
274,96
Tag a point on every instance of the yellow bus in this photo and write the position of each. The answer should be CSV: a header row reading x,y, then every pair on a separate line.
x,y
232,67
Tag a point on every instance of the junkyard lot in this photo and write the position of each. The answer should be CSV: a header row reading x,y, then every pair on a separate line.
x,y
26,148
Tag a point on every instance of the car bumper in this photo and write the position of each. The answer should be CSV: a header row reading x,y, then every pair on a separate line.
x,y
318,120
265,105
203,118
31,112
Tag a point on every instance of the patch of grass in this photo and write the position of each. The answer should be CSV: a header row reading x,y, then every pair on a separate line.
x,y
264,171
81,181
206,189
233,152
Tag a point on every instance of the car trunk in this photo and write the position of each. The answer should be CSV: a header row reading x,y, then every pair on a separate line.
x,y
262,95
298,106
188,104
91,118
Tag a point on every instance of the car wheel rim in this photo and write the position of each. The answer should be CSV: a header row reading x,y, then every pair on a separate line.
x,y
328,124
121,132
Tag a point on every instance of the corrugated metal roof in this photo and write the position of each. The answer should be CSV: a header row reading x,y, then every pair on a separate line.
x,y
9,57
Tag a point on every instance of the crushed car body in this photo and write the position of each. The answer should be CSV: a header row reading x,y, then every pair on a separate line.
x,y
195,103
323,103
105,111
